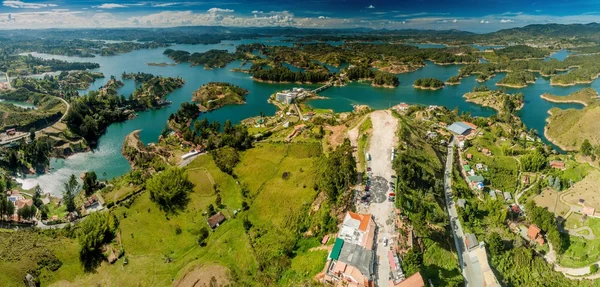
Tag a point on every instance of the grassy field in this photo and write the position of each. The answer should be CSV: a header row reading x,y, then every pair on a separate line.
x,y
581,252
568,128
158,255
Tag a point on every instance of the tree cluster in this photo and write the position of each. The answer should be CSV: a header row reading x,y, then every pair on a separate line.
x,y
431,83
169,189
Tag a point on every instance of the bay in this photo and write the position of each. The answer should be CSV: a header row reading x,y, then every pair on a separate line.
x,y
106,160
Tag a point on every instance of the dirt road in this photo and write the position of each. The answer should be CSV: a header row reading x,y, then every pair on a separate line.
x,y
383,139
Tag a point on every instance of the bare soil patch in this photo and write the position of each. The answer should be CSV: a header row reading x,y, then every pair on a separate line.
x,y
202,276
550,200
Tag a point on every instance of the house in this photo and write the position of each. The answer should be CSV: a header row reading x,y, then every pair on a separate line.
x,y
24,202
469,156
461,202
358,229
325,239
11,132
467,167
493,194
515,208
401,107
479,166
557,164
507,196
351,261
476,181
486,151
215,220
461,128
525,179
415,280
534,234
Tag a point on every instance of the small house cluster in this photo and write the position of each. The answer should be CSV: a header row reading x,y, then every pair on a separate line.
x,y
351,262
288,96
19,201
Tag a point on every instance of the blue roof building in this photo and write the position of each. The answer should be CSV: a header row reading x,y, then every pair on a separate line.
x,y
460,128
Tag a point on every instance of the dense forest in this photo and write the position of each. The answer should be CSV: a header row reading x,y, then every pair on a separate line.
x,y
517,79
428,83
365,73
210,59
284,74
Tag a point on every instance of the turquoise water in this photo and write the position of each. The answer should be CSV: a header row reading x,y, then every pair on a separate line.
x,y
560,55
25,105
106,160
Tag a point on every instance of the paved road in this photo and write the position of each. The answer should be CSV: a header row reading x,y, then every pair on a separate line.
x,y
457,232
382,140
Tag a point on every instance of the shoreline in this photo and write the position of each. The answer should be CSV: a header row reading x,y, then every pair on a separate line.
x,y
565,101
427,88
514,86
452,83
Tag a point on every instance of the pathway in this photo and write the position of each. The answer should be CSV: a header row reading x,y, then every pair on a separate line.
x,y
457,232
383,139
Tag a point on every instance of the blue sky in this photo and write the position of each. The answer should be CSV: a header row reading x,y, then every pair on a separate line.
x,y
469,15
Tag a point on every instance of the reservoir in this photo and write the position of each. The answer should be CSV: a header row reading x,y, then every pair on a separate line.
x,y
106,160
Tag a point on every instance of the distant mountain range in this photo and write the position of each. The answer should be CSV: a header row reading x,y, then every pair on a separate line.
x,y
214,34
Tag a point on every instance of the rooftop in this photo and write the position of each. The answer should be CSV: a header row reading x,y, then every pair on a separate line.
x,y
215,220
359,257
460,128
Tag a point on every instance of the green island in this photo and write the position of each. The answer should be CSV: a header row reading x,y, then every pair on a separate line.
x,y
214,95
517,79
585,97
454,80
210,59
501,102
428,84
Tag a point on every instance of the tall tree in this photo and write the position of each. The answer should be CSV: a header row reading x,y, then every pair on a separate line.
x,y
71,188
170,188
90,182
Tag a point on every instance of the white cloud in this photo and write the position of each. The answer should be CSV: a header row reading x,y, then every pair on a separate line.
x,y
164,4
323,17
25,5
454,21
110,6
371,7
219,10
257,12
484,22
506,21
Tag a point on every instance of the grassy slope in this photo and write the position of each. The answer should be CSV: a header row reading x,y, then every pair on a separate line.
x,y
150,240
584,96
568,128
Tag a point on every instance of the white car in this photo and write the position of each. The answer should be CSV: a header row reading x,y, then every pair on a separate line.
x,y
385,241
